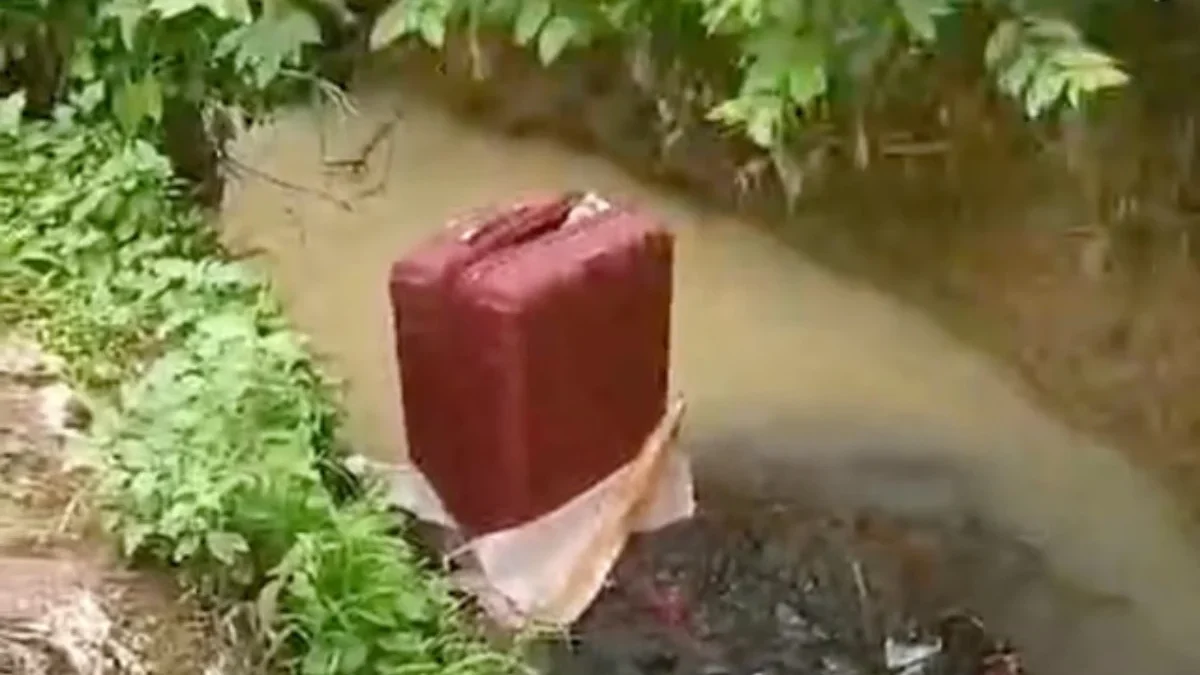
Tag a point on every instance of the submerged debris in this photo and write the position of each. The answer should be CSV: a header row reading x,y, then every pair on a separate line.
x,y
772,592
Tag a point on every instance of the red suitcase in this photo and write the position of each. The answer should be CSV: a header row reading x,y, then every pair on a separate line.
x,y
533,354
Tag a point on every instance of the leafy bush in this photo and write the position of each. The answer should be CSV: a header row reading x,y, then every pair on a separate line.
x,y
794,58
210,461
179,73
135,55
360,603
93,254
216,455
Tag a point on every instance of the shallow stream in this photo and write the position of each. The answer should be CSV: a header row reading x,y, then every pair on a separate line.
x,y
798,381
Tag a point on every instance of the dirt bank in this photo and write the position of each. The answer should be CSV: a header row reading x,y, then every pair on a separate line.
x,y
68,606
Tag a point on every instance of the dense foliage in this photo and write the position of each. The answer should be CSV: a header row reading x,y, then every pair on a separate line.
x,y
216,455
180,73
135,56
794,59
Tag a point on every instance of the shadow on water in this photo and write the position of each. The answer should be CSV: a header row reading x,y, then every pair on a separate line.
x,y
800,383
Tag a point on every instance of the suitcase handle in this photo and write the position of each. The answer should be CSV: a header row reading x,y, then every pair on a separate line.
x,y
497,231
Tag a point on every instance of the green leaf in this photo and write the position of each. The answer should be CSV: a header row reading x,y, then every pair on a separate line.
x,y
1106,78
623,13
172,8
12,107
805,84
151,95
1001,43
391,25
1014,78
1053,30
384,620
267,604
133,538
126,105
90,97
238,10
1044,91
137,101
318,660
354,655
433,28
128,13
763,125
530,19
270,42
921,16
225,546
413,606
1080,58
88,205
554,38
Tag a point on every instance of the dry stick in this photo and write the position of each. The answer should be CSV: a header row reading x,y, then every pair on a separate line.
x,y
915,149
865,611
358,163
252,252
68,513
383,176
239,165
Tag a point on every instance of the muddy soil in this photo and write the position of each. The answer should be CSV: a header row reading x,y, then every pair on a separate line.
x,y
68,606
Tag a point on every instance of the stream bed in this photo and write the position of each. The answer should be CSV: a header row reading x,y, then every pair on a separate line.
x,y
799,383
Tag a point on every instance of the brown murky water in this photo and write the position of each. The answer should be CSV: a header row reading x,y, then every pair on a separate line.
x,y
795,377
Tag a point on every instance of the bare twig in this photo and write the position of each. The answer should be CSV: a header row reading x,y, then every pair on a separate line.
x,y
358,163
252,252
383,176
68,513
874,640
238,165
915,149
330,91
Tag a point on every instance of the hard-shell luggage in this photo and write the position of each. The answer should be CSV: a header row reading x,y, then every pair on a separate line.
x,y
533,349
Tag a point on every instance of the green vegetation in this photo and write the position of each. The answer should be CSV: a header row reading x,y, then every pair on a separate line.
x,y
137,57
216,448
216,454
179,73
793,60
164,64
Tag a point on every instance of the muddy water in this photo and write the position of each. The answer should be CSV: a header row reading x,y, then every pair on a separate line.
x,y
797,380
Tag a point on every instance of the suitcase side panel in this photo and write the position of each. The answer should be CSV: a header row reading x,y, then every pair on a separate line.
x,y
601,359
591,308
439,396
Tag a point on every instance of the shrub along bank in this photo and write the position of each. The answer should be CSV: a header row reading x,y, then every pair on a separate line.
x,y
214,443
